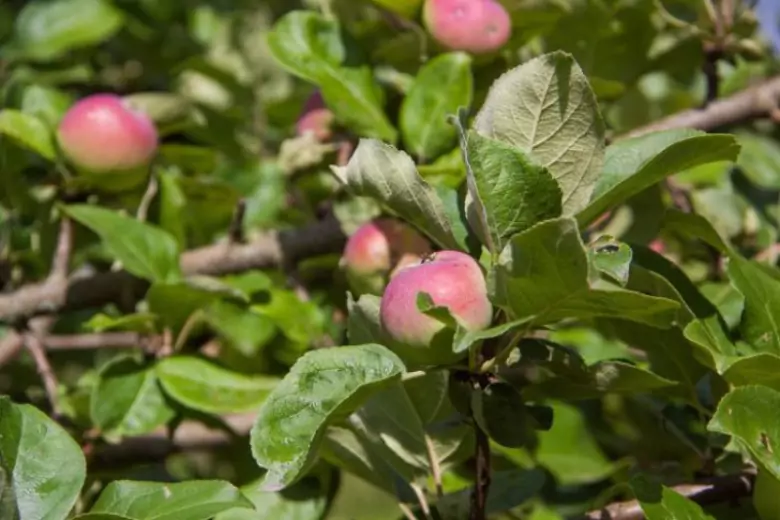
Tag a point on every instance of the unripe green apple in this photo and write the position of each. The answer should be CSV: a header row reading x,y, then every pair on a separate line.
x,y
475,26
316,118
101,134
377,250
406,8
453,280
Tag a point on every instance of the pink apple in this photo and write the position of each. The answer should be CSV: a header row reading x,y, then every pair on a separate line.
x,y
377,249
453,280
475,26
315,118
101,133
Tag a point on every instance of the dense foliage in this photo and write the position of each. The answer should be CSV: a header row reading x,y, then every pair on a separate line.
x,y
378,259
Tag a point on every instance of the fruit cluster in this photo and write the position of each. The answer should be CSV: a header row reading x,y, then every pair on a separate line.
x,y
388,257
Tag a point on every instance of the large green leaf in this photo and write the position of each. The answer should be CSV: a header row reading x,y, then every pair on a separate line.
x,y
193,500
749,415
605,377
42,468
760,369
242,328
442,86
514,192
544,272
322,387
310,46
144,249
662,503
569,451
127,399
207,387
46,103
546,108
759,325
633,165
388,175
306,500
28,131
49,29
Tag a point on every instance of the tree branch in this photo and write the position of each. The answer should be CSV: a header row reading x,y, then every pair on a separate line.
x,y
712,491
269,249
756,101
189,436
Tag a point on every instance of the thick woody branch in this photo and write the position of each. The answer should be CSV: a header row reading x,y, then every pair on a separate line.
x,y
757,101
189,436
267,250
717,490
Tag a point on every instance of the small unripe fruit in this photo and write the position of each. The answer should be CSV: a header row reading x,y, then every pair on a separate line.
x,y
315,118
453,280
101,134
475,26
377,250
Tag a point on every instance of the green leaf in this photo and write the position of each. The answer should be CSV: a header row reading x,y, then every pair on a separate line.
x,y
42,465
611,257
306,500
193,500
544,272
570,378
388,175
441,87
500,411
350,450
569,451
632,165
310,46
244,329
546,108
515,193
390,422
759,325
305,43
172,207
605,377
28,131
508,490
48,29
127,399
759,369
144,249
662,503
759,158
206,387
45,103
749,415
322,387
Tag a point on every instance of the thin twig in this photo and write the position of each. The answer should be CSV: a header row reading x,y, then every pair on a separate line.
x,y
61,260
49,378
426,509
236,229
433,460
407,511
147,199
479,494
267,250
713,491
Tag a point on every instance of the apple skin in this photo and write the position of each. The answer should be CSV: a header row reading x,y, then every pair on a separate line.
x,y
101,134
315,118
475,26
453,280
377,250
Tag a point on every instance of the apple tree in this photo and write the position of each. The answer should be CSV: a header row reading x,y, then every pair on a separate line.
x,y
389,259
